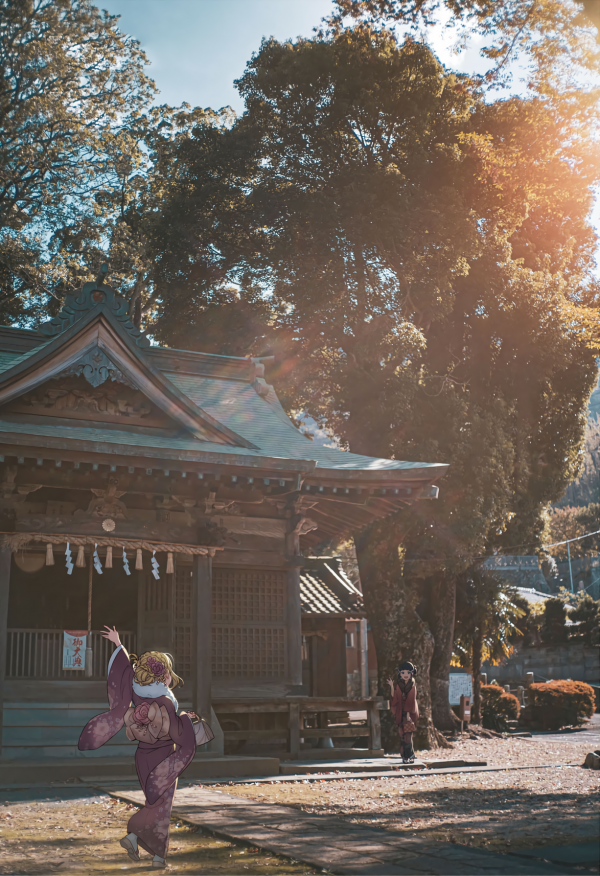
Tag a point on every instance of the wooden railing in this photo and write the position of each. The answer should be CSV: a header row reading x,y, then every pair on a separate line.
x,y
297,709
39,654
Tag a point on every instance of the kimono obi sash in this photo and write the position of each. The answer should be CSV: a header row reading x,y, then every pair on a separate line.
x,y
147,722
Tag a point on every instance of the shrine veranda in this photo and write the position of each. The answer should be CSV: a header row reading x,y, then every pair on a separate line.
x,y
138,452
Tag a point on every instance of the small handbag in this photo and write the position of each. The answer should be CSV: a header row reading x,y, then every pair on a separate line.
x,y
408,727
202,731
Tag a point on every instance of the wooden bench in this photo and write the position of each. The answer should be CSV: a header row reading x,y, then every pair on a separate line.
x,y
296,709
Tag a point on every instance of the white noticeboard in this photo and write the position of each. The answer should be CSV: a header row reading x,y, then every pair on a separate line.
x,y
74,649
461,684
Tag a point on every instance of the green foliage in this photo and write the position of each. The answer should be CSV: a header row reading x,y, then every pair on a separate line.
x,y
551,39
558,704
553,630
202,234
418,258
585,489
488,608
498,707
572,522
429,265
531,623
73,87
586,613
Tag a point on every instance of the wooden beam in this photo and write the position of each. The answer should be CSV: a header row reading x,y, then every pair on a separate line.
x,y
309,705
256,734
247,708
335,732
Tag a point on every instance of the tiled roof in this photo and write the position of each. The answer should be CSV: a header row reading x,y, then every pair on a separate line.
x,y
263,421
233,400
326,589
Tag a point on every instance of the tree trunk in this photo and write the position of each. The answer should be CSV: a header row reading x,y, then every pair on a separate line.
x,y
398,632
476,668
441,614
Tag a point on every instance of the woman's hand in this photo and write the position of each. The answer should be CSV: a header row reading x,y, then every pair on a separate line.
x,y
111,635
391,684
192,716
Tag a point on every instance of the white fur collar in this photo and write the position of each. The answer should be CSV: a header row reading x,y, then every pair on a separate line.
x,y
153,691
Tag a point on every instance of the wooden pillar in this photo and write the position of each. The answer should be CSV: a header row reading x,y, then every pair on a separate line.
x,y
293,614
5,557
294,729
363,658
141,613
202,635
314,666
374,726
294,628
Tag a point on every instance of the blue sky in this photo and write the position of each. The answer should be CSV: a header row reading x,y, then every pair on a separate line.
x,y
198,47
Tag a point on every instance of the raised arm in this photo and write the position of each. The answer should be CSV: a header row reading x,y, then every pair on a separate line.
x,y
119,689
111,635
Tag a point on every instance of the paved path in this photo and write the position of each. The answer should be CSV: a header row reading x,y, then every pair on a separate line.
x,y
336,845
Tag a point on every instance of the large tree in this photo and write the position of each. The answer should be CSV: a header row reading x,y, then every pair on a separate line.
x,y
427,257
546,42
72,95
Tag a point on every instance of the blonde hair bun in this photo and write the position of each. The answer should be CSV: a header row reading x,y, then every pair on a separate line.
x,y
154,666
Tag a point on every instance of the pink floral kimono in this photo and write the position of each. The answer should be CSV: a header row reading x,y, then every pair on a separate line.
x,y
160,760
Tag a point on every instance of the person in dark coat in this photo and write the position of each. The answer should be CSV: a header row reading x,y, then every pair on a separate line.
x,y
405,708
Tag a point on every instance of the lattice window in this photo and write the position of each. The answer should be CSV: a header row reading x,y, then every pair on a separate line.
x,y
183,594
182,627
244,651
182,647
248,596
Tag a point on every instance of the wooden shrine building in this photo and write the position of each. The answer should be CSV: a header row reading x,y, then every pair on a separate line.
x,y
186,498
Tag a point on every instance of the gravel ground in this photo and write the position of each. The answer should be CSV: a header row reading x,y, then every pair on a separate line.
x,y
67,830
500,811
72,829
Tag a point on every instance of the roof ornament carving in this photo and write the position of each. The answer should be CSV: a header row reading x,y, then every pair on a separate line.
x,y
92,295
97,368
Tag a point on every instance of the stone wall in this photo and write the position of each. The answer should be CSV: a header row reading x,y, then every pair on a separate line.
x,y
549,663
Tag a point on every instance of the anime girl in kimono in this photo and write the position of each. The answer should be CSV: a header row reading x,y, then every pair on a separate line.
x,y
140,696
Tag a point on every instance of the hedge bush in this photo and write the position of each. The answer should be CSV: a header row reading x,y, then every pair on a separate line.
x,y
557,704
498,707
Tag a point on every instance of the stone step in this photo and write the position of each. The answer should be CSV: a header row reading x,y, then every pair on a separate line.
x,y
299,767
99,769
310,754
36,730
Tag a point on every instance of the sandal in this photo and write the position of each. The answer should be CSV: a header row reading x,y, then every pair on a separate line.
x,y
159,863
131,850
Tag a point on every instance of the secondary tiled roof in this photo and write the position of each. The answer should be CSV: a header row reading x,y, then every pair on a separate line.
x,y
326,589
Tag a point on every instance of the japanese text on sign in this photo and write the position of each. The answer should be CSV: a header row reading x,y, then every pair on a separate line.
x,y
461,684
74,649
